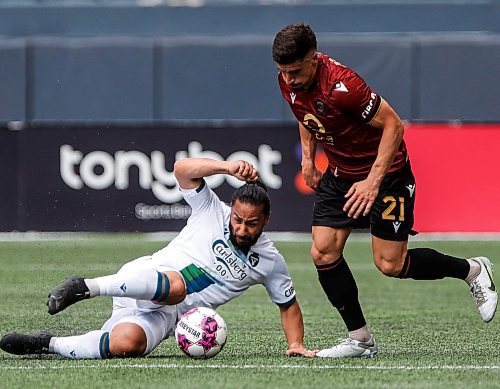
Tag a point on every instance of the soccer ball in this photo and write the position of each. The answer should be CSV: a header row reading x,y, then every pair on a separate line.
x,y
201,333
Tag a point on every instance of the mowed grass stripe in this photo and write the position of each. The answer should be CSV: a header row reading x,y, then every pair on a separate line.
x,y
250,367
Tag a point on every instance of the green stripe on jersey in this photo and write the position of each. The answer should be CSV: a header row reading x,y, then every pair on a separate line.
x,y
196,278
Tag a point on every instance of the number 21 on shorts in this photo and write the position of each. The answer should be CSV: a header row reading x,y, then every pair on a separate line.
x,y
389,213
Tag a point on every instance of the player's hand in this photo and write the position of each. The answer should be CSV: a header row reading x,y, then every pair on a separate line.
x,y
301,351
312,176
361,196
243,171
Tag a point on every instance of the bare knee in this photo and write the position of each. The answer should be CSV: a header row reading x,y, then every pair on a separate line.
x,y
389,256
389,266
328,244
324,255
177,292
127,340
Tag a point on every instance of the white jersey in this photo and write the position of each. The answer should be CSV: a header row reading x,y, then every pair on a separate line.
x,y
214,270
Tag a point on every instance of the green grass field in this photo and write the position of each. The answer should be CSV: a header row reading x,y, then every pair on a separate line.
x,y
429,332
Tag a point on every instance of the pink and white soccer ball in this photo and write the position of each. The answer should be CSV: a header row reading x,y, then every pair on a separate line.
x,y
201,333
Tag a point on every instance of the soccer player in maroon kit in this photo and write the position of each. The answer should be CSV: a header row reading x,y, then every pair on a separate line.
x,y
368,183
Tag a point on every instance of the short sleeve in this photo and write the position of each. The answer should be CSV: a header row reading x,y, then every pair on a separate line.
x,y
201,199
278,284
351,94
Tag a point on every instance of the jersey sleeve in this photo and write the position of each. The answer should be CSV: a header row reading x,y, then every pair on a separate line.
x,y
201,199
351,94
279,285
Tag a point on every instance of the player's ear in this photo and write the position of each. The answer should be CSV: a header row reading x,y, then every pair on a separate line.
x,y
315,59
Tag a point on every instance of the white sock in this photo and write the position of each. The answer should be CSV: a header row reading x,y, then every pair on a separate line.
x,y
362,334
144,284
92,345
475,269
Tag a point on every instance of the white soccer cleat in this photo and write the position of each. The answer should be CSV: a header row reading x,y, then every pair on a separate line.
x,y
350,348
483,290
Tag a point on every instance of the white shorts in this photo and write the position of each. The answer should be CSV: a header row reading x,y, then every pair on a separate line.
x,y
157,321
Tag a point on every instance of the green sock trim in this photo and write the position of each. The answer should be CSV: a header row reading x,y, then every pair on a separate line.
x,y
162,288
104,346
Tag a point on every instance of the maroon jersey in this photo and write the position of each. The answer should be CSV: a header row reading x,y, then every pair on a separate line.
x,y
336,109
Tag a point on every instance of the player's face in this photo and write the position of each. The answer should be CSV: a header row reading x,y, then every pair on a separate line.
x,y
247,223
299,75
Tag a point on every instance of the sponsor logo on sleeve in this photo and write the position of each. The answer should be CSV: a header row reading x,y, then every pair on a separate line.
x,y
370,106
289,291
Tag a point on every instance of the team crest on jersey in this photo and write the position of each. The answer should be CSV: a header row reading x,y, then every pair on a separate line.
x,y
320,107
254,259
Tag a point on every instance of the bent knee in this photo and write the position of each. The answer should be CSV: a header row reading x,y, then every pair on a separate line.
x,y
177,292
127,340
324,255
390,267
328,244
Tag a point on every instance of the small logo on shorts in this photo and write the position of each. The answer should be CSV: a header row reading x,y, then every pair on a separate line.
x,y
396,226
411,188
123,287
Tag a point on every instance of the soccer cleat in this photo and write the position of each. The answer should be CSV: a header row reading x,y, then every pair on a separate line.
x,y
350,348
22,344
483,290
70,291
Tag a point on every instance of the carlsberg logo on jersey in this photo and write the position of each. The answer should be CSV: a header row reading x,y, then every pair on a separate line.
x,y
113,169
227,263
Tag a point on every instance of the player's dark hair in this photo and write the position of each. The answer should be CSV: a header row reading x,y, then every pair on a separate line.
x,y
255,193
293,43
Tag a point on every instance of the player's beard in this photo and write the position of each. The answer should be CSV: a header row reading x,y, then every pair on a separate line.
x,y
247,243
303,86
298,87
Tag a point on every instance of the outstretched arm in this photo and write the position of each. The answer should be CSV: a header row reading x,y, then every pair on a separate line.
x,y
293,325
190,171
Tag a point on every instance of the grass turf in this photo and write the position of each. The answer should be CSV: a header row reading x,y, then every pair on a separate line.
x,y
429,332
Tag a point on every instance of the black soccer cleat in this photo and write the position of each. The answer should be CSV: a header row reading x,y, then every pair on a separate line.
x,y
70,291
23,344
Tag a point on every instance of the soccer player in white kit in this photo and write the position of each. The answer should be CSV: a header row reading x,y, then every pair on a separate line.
x,y
218,255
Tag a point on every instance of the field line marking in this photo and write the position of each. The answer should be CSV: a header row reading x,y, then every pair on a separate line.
x,y
250,367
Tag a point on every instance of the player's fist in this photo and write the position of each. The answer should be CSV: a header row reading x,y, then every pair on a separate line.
x,y
243,171
312,177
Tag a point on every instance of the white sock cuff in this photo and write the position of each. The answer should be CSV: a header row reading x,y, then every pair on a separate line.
x,y
93,286
92,345
140,284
